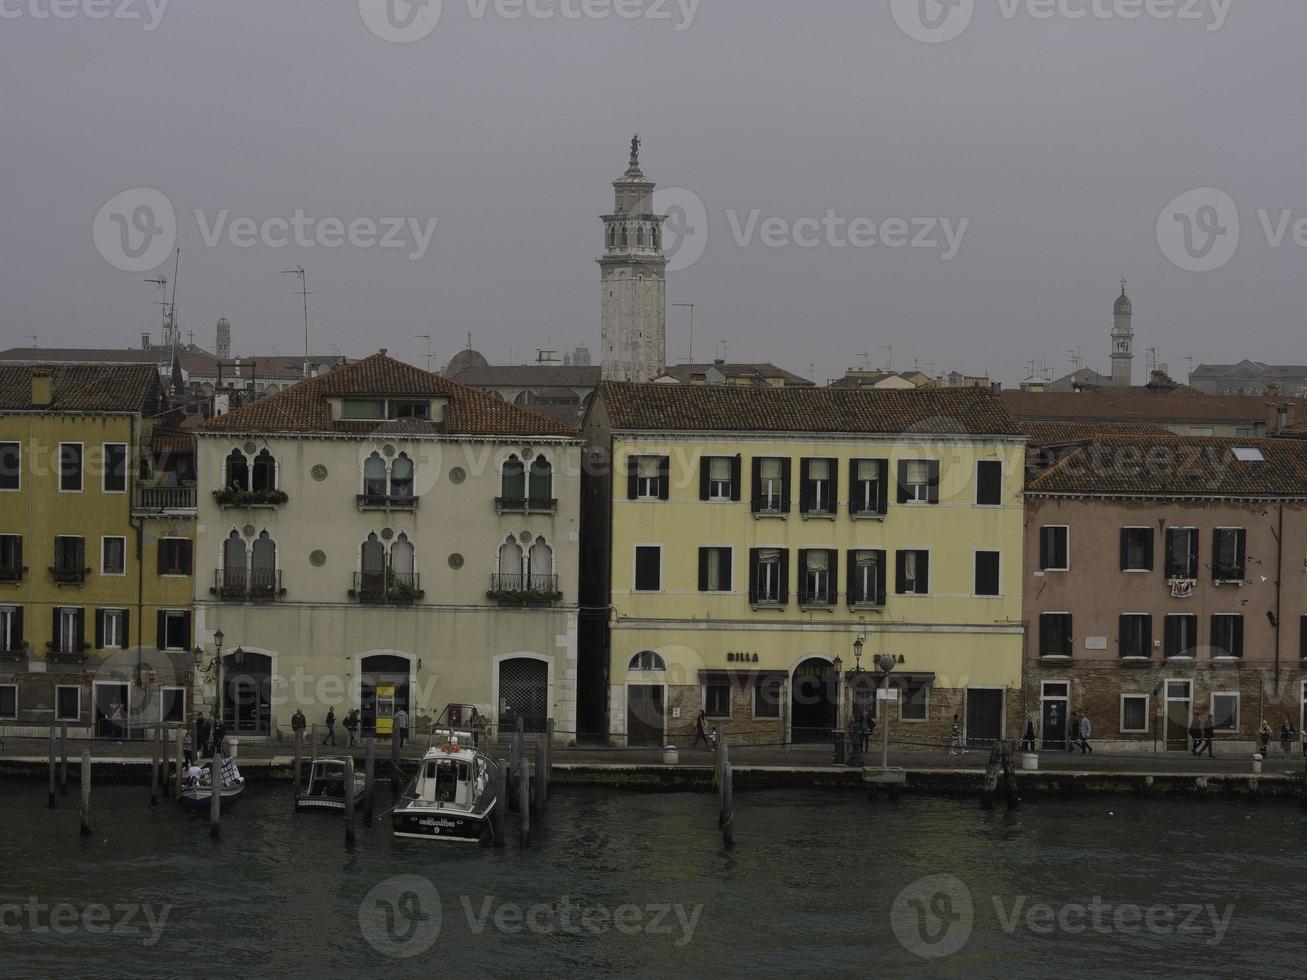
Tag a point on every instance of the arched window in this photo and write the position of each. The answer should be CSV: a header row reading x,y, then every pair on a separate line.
x,y
238,471
233,561
374,476
542,479
401,476
653,237
612,236
623,236
401,560
541,562
263,573
639,237
514,479
647,660
374,566
510,565
265,472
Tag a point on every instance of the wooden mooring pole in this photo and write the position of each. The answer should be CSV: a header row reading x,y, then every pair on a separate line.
x,y
499,815
179,772
86,792
349,802
154,766
726,819
52,768
369,782
299,756
991,777
542,777
514,760
549,756
394,761
215,793
63,759
524,810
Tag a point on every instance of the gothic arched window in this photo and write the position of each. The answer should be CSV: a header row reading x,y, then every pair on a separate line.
x,y
374,476
265,472
263,572
401,476
514,480
510,565
542,480
233,561
238,471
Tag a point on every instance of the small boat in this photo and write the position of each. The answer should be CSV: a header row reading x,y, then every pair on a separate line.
x,y
325,790
453,796
199,793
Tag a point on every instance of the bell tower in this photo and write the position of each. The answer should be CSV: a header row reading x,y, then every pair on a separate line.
x,y
1123,338
633,277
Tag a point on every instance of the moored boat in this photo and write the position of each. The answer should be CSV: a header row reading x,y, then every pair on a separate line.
x,y
199,791
452,797
325,790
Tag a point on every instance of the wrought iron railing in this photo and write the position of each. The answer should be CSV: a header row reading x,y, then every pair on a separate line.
x,y
388,587
543,585
384,501
165,498
240,583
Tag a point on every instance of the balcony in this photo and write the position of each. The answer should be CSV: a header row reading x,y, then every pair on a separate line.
x,y
238,585
165,500
12,573
524,590
67,575
525,505
388,588
233,497
57,653
381,501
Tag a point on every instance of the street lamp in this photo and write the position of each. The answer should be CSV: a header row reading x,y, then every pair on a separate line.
x,y
216,666
837,734
885,663
858,723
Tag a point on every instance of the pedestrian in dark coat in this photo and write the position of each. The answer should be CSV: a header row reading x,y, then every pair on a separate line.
x,y
1209,735
331,727
202,733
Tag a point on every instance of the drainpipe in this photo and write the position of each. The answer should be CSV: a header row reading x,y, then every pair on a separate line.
x,y
133,463
1279,591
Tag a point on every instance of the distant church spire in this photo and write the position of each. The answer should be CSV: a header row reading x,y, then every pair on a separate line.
x,y
1123,337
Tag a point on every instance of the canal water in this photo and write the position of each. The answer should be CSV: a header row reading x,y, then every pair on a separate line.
x,y
621,884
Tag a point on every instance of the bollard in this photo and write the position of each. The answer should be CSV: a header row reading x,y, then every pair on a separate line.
x,y
524,810
299,755
86,792
215,793
727,817
63,759
349,802
368,783
498,815
541,778
52,771
154,766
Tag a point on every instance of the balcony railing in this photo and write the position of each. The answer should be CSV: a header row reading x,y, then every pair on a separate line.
x,y
387,588
12,573
236,497
817,597
383,501
152,499
258,585
67,575
522,589
526,505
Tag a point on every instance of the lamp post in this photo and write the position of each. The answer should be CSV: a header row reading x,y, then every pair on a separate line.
x,y
885,664
837,736
858,722
216,666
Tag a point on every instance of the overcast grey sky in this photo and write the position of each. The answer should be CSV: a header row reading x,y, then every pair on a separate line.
x,y
1058,141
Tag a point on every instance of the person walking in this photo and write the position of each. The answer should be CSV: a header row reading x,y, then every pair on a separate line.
x,y
401,726
701,730
1286,737
219,735
1028,738
202,733
351,728
298,722
1209,735
956,746
1196,735
331,727
1086,730
1073,732
188,747
1264,737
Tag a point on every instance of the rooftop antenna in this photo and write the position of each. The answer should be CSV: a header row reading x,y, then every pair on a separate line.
x,y
303,277
171,336
889,363
722,345
427,338
690,307
1190,361
33,341
1150,360
866,359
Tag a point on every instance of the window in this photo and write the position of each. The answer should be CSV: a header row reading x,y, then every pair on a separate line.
x,y
401,477
172,704
113,556
263,564
11,557
1225,711
111,629
989,483
1136,549
1055,639
1134,714
514,479
912,575
648,568
647,660
1181,635
70,467
1136,639
866,578
174,629
767,698
69,559
868,487
68,634
1229,545
411,410
363,408
918,481
540,562
1227,636
771,485
510,561
818,482
913,702
714,569
719,478
115,468
237,471
265,473
374,477
68,703
1055,548
648,477
717,700
987,573
1182,553
820,577
11,629
542,480
769,576
11,466
8,701
175,556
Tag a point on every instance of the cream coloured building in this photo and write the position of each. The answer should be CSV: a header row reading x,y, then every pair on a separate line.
x,y
382,538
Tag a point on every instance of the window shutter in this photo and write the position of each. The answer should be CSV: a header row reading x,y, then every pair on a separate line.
x,y
803,573
883,485
785,486
855,491
934,481
18,628
903,481
127,629
724,573
756,466
703,569
186,630
160,551
1147,633
99,629
1236,646
1241,537
188,552
735,478
833,498
1045,634
18,552
664,477
1125,549
851,567
1302,636
923,573
79,552
882,573
1216,553
81,630
54,629
785,575
632,477
1172,634
1148,550
753,570
805,489
833,575
161,629
1045,547
900,572
704,462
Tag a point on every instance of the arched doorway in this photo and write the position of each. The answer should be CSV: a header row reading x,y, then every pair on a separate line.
x,y
814,701
247,693
383,690
523,693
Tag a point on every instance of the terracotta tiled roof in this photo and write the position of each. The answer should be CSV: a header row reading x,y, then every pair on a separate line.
x,y
1135,405
736,408
84,387
529,375
1066,433
762,372
304,407
1179,466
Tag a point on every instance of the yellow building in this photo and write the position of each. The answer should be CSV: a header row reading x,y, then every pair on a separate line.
x,y
742,541
96,542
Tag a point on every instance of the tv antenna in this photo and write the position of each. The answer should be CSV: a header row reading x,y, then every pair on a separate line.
x,y
171,337
889,362
303,277
690,307
427,338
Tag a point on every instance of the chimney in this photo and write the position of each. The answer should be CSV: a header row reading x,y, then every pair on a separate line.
x,y
1280,416
145,341
42,389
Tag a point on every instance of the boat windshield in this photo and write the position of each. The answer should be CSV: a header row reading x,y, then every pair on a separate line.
x,y
448,775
